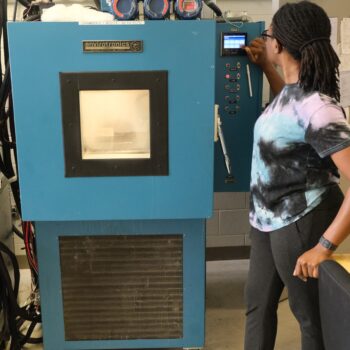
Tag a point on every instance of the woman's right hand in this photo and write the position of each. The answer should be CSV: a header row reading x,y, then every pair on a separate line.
x,y
256,52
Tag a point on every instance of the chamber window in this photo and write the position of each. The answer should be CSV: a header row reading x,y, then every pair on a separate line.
x,y
115,124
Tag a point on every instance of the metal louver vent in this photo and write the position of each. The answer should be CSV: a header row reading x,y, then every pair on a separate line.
x,y
122,287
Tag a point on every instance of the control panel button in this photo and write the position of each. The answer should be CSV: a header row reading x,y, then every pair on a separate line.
x,y
238,65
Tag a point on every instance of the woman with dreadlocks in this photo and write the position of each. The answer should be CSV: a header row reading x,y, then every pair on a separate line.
x,y
297,212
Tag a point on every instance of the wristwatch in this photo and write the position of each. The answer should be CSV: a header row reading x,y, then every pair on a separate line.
x,y
327,244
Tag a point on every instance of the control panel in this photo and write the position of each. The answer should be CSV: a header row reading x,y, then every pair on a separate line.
x,y
239,96
232,88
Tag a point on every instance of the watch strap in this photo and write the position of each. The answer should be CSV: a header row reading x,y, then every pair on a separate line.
x,y
327,244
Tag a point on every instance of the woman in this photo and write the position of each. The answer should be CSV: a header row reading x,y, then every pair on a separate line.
x,y
297,213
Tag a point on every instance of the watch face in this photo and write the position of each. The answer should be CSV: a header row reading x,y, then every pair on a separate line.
x,y
327,244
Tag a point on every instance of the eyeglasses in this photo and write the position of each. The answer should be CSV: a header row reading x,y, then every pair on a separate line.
x,y
265,35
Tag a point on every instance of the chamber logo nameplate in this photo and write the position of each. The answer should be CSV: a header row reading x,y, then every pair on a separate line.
x,y
112,46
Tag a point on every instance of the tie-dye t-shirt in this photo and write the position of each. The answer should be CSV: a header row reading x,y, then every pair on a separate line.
x,y
291,164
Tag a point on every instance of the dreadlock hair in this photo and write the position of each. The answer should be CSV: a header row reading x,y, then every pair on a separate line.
x,y
304,30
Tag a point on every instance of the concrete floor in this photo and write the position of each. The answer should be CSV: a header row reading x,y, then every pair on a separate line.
x,y
224,308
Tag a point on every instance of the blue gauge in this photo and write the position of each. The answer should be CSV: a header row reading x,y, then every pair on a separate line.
x,y
125,9
188,9
156,9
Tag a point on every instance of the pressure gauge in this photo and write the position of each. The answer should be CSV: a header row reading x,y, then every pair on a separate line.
x,y
125,9
188,9
156,9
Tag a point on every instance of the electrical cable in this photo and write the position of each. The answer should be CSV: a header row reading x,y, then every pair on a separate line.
x,y
7,158
17,232
7,130
238,24
2,10
15,11
4,92
97,4
13,312
212,5
29,245
4,29
25,3
19,322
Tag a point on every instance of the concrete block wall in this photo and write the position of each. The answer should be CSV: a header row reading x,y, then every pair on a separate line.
x,y
229,225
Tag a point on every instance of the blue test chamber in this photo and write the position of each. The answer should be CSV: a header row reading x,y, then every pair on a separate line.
x,y
114,127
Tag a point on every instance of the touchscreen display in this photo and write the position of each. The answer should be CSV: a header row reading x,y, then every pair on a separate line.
x,y
234,41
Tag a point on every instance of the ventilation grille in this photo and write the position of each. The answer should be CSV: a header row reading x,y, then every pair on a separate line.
x,y
122,287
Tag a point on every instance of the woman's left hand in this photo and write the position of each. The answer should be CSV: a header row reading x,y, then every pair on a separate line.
x,y
307,264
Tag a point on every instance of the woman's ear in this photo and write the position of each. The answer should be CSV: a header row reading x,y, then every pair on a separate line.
x,y
279,47
275,48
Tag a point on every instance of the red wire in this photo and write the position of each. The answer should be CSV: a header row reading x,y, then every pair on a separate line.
x,y
32,237
30,255
26,243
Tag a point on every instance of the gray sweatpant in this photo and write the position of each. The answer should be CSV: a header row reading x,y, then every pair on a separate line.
x,y
272,262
